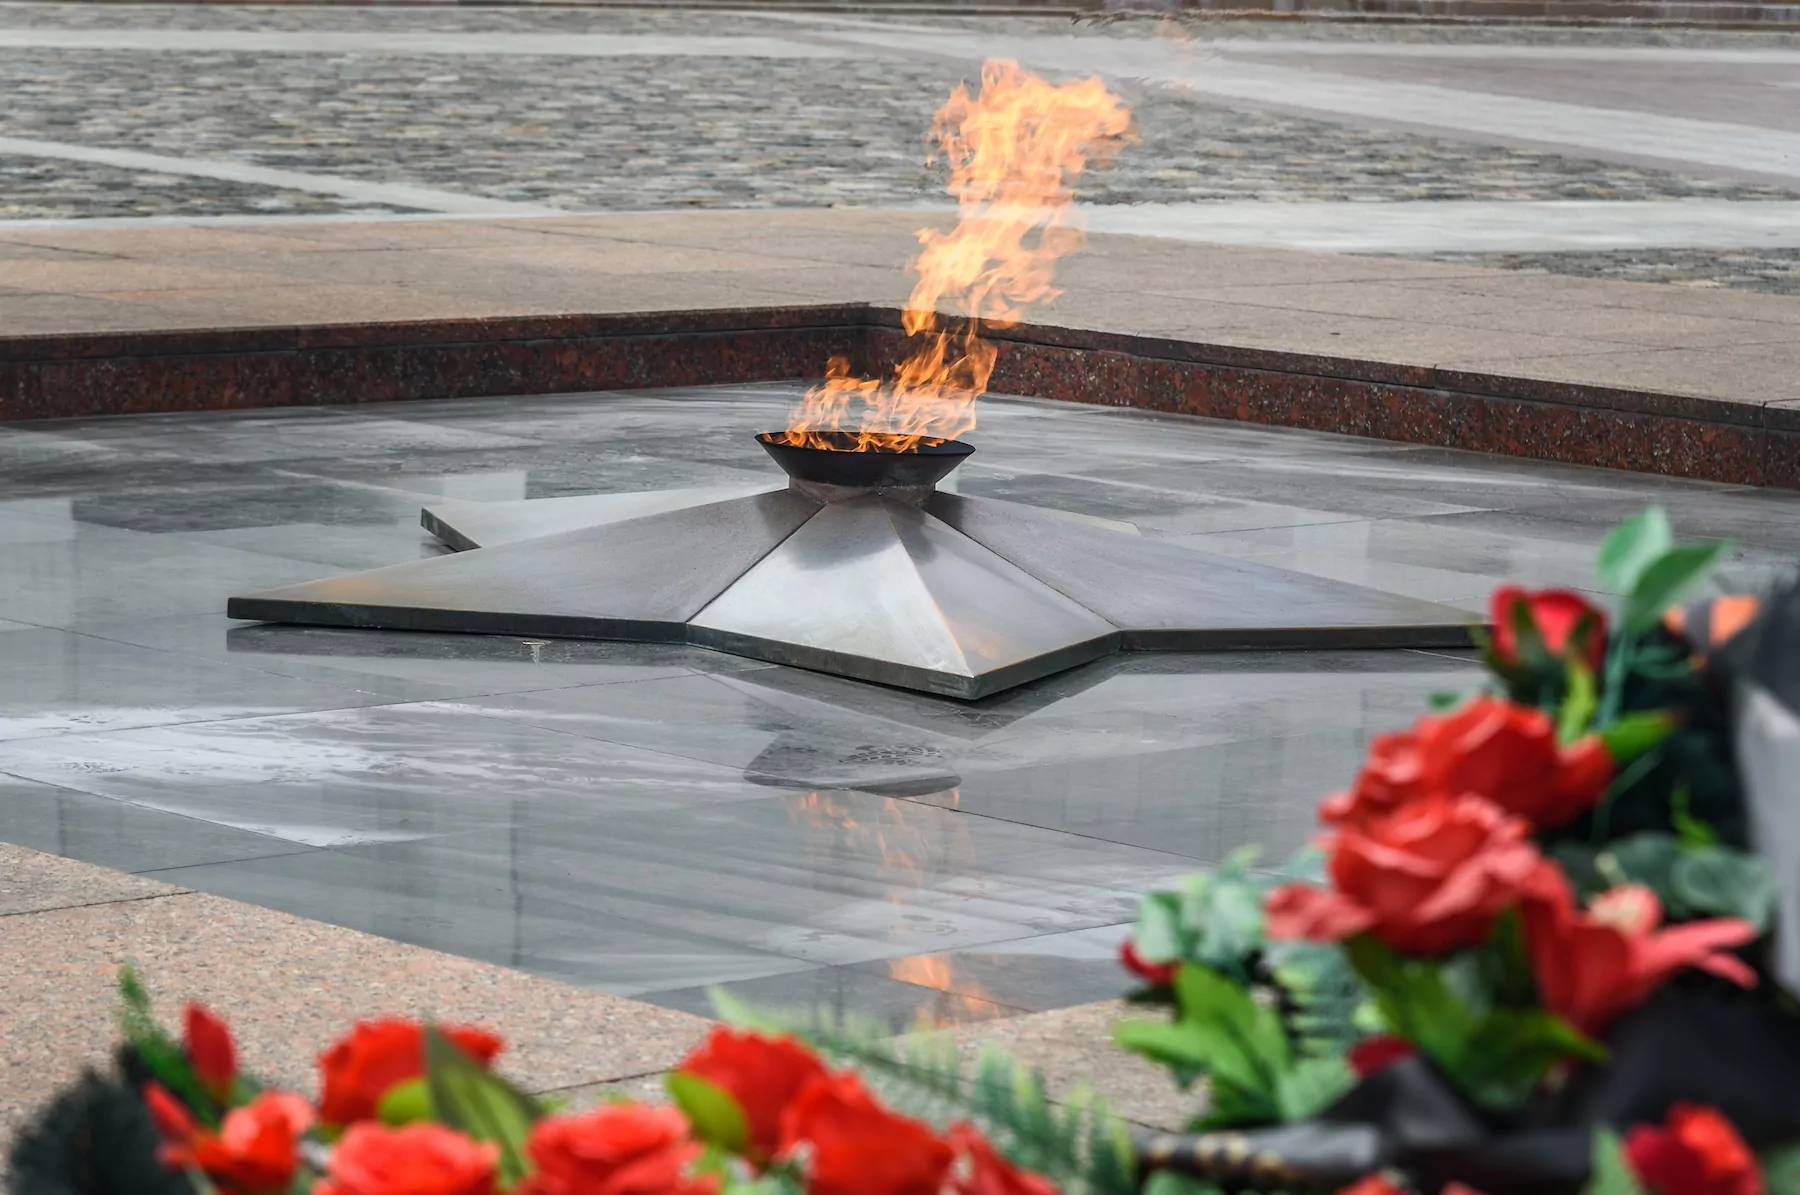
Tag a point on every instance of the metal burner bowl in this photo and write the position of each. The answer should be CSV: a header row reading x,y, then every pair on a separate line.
x,y
872,469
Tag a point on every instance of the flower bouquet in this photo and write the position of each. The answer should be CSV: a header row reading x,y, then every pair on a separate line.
x,y
405,1108
1530,948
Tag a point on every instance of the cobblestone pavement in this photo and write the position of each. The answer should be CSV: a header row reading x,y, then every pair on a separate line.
x,y
708,132
1773,271
679,131
48,189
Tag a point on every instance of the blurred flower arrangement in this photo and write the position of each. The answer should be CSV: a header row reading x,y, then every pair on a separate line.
x,y
1529,951
1530,922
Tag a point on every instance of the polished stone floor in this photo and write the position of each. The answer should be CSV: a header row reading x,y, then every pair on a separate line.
x,y
656,820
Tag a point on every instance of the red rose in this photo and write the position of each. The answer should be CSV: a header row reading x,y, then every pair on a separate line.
x,y
982,1171
761,1074
1373,1184
378,1055
211,1052
1592,966
1488,748
1565,621
1393,774
1157,975
1373,1054
1695,1151
858,1147
1428,879
255,1152
420,1159
620,1149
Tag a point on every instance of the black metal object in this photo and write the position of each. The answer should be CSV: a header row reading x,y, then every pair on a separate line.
x,y
843,464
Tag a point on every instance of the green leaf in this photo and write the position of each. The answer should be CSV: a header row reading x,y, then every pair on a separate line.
x,y
1612,1173
1157,934
1511,1049
468,1097
1634,735
1413,1000
405,1103
1310,1086
1580,702
716,1117
1647,859
1720,882
1630,547
1781,1170
163,1055
1692,832
1666,581
1444,700
1174,1182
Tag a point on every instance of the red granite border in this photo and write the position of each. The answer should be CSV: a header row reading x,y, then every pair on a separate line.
x,y
46,377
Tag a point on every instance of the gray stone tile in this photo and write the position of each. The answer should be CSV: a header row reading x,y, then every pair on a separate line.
x,y
487,916
406,666
866,992
380,774
59,682
118,834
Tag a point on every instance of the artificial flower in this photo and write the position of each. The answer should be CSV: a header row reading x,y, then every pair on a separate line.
x,y
255,1152
1695,1151
1565,621
854,1146
761,1074
419,1159
1157,975
1373,1054
1380,1184
211,1052
1427,879
174,1123
378,1055
980,1170
1487,748
1591,966
618,1149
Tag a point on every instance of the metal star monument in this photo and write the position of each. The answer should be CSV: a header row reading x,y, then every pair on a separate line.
x,y
859,567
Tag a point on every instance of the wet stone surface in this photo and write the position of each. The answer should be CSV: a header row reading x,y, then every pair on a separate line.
x,y
656,820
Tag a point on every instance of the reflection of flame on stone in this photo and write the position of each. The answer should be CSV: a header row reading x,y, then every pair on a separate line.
x,y
914,840
963,1000
1014,153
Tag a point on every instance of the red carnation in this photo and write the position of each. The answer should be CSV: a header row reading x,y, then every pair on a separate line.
x,y
1695,1151
982,1171
376,1056
420,1159
1566,621
1157,975
1592,966
761,1074
255,1152
858,1147
620,1149
1428,879
211,1052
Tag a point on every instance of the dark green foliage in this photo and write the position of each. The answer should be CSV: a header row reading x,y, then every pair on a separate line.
x,y
96,1138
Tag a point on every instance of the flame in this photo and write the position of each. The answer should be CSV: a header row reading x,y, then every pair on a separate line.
x,y
1014,153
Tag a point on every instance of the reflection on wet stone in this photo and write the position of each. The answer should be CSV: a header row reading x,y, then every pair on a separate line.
x,y
657,819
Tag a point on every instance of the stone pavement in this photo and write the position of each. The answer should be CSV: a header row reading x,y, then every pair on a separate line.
x,y
187,112
1712,344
